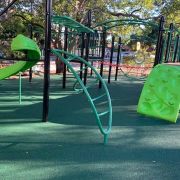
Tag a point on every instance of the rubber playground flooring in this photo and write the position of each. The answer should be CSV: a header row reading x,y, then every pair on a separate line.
x,y
69,146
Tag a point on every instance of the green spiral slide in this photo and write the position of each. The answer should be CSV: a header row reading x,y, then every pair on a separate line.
x,y
23,44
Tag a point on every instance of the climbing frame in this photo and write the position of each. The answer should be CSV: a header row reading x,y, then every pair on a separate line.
x,y
103,117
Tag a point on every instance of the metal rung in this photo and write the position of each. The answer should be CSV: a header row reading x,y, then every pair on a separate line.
x,y
95,81
82,69
103,113
70,59
94,99
91,85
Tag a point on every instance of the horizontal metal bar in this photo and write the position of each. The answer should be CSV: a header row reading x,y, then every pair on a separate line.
x,y
103,113
94,99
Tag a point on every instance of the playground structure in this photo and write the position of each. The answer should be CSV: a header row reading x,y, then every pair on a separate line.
x,y
84,88
67,146
35,55
67,58
98,44
160,95
88,54
92,46
173,45
124,68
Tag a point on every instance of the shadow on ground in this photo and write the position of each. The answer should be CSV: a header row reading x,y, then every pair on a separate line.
x,y
67,107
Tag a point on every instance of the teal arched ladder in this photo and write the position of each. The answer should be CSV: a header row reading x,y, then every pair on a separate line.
x,y
104,128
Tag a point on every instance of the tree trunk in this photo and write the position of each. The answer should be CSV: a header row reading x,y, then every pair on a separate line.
x,y
58,45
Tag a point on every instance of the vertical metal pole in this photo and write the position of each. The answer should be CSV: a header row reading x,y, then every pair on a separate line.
x,y
65,49
31,36
47,60
102,55
92,41
176,48
178,58
87,47
93,44
20,88
118,58
169,40
159,42
99,43
111,59
162,50
86,57
82,54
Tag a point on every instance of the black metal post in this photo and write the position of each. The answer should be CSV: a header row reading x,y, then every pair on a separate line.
x,y
178,58
176,48
111,59
102,55
169,40
6,8
47,60
159,42
31,36
89,18
99,38
86,57
65,49
163,49
82,54
87,47
118,58
92,40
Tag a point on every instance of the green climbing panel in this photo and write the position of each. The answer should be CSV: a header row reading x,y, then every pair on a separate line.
x,y
160,96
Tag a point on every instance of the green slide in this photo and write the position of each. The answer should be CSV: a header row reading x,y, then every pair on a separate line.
x,y
23,44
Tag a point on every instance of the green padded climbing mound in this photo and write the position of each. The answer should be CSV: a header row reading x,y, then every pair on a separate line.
x,y
23,44
160,96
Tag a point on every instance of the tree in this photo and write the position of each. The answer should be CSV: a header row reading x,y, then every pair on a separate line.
x,y
17,20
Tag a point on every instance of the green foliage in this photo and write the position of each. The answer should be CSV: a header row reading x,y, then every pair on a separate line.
x,y
18,18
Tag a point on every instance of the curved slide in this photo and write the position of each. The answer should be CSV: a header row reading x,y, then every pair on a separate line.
x,y
23,44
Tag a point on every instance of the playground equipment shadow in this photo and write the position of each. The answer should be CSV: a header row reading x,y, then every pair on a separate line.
x,y
70,146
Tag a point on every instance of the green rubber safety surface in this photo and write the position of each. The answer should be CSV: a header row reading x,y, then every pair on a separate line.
x,y
160,96
69,146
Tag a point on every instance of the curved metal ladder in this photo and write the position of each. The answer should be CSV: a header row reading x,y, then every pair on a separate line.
x,y
92,100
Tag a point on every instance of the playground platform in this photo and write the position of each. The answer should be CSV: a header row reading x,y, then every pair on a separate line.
x,y
70,147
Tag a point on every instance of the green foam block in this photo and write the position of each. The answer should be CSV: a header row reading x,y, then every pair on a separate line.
x,y
160,96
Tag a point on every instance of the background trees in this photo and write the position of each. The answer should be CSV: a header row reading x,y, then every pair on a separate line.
x,y
25,14
101,9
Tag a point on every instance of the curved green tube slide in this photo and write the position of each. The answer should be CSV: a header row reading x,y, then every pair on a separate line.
x,y
23,44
